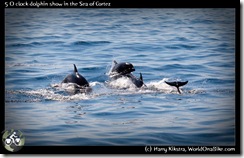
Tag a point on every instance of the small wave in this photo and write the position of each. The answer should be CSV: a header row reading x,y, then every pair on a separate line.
x,y
43,37
22,100
25,44
34,44
46,94
57,92
182,39
71,25
216,81
52,95
27,64
53,42
181,46
18,45
89,43
202,21
196,91
19,96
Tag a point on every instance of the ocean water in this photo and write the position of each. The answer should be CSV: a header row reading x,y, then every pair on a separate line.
x,y
197,45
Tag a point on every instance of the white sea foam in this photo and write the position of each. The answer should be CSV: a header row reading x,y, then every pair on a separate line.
x,y
121,86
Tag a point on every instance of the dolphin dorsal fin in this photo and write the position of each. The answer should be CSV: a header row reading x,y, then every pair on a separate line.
x,y
141,78
75,69
115,62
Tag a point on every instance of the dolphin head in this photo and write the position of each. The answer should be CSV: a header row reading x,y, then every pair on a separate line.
x,y
123,68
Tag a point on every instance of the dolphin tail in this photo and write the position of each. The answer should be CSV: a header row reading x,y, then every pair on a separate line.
x,y
177,84
178,90
75,69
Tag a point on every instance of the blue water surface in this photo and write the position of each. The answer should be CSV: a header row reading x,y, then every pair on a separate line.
x,y
198,45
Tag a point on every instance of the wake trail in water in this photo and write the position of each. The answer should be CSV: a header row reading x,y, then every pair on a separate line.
x,y
67,91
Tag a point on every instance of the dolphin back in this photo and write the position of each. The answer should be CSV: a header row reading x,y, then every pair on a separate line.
x,y
75,77
72,78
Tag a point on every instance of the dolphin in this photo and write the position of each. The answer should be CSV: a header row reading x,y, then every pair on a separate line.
x,y
124,69
75,77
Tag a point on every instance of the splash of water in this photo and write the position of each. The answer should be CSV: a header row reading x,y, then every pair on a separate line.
x,y
121,86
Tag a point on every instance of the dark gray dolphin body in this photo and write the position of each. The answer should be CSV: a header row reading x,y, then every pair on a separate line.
x,y
124,70
177,84
75,77
137,81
